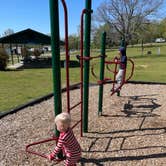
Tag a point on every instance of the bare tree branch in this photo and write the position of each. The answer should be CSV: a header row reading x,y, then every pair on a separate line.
x,y
127,16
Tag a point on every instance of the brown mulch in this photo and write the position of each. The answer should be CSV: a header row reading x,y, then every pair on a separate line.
x,y
131,131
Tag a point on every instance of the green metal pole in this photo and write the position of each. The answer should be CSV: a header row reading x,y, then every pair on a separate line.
x,y
103,43
55,46
86,64
123,43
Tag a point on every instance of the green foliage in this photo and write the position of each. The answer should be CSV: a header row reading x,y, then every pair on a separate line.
x,y
112,37
8,32
3,59
74,42
153,30
163,28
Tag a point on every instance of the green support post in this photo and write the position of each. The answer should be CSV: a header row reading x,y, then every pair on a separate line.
x,y
122,43
86,65
102,67
55,45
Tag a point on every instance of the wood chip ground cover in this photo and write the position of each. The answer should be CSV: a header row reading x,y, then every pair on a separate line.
x,y
131,132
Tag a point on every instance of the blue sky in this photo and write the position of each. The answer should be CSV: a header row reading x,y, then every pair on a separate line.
x,y
22,14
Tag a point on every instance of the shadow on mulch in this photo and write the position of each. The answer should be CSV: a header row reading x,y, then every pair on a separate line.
x,y
131,109
135,107
99,162
122,158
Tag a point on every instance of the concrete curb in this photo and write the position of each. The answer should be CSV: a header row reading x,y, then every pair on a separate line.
x,y
144,82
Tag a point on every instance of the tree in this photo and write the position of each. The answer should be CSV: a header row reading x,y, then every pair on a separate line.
x,y
8,32
111,39
152,30
3,59
163,28
127,16
74,42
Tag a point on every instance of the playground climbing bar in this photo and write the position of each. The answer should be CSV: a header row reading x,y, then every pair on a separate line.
x,y
67,54
103,43
86,64
55,44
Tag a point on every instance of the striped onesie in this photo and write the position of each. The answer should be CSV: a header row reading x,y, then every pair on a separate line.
x,y
68,143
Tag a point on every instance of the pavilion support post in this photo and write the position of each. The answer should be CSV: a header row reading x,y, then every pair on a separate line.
x,y
18,59
11,54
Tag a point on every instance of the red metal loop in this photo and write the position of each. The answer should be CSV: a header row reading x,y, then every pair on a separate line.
x,y
100,82
41,154
90,57
132,70
86,58
115,72
104,81
94,57
92,71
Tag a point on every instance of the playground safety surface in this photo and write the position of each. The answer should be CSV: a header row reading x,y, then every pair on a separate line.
x,y
131,131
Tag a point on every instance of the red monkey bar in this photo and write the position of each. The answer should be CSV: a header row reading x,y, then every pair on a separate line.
x,y
39,153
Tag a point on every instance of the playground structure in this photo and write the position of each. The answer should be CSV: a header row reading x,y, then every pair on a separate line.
x,y
84,69
54,15
102,80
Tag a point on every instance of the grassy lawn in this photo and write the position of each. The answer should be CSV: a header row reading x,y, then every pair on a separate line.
x,y
19,87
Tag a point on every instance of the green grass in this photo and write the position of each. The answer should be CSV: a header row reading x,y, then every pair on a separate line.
x,y
150,69
19,87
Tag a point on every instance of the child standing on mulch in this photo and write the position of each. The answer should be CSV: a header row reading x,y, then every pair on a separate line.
x,y
67,141
122,65
120,76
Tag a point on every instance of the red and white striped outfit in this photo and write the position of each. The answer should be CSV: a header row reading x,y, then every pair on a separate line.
x,y
69,144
